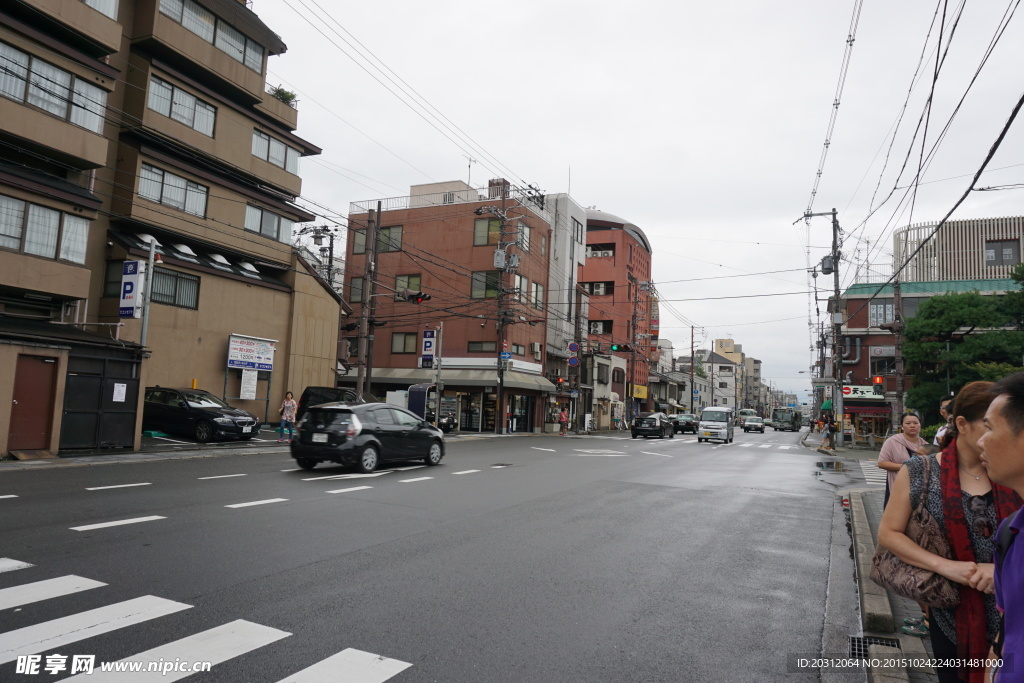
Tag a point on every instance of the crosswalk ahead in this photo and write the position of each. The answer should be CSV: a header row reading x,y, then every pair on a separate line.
x,y
199,652
873,474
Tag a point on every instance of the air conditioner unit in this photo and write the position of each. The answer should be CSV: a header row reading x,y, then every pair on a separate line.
x,y
535,347
598,289
605,253
596,328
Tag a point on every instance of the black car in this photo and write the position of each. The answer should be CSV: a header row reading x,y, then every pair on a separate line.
x,y
652,424
195,413
314,396
685,422
364,435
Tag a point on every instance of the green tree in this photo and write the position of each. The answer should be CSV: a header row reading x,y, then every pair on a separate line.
x,y
1014,300
974,329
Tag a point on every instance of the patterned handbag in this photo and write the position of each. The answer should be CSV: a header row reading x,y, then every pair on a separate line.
x,y
915,583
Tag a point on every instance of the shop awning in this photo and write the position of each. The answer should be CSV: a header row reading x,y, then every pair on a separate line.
x,y
827,405
464,378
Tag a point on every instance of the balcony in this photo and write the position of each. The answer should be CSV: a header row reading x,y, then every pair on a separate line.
x,y
101,35
283,112
47,276
51,136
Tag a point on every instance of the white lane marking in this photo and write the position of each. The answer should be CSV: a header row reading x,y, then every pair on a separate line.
x,y
409,481
296,469
690,441
466,472
661,454
350,476
550,450
745,445
56,633
257,502
119,486
600,452
784,448
223,476
44,590
164,438
214,646
765,445
354,488
9,565
350,665
134,520
406,469
9,496
498,467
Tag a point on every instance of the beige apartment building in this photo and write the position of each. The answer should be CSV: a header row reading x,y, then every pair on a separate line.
x,y
126,124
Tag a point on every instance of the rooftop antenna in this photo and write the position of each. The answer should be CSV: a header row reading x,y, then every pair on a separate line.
x,y
469,172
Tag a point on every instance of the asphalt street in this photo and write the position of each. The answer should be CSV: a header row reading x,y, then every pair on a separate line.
x,y
540,558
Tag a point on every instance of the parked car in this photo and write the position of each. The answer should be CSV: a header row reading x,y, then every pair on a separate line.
x,y
314,396
195,413
652,424
685,422
364,435
753,424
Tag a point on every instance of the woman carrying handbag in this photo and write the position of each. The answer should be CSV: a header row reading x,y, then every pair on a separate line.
x,y
954,488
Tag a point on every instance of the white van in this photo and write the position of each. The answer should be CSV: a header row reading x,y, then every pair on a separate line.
x,y
715,423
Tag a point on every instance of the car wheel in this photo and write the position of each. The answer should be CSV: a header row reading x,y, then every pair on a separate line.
x,y
367,460
435,454
204,431
634,435
306,463
700,440
671,435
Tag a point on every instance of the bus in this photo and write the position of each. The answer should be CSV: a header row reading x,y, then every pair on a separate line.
x,y
786,420
743,413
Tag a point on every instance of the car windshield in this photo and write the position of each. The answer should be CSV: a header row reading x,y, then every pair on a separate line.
x,y
754,419
714,416
687,418
201,399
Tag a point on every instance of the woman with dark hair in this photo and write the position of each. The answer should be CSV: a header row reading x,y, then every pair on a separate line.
x,y
900,448
969,507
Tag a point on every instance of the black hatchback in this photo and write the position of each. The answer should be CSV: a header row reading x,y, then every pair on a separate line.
x,y
195,413
652,424
364,435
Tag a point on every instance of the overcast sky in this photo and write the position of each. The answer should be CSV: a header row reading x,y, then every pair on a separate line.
x,y
702,123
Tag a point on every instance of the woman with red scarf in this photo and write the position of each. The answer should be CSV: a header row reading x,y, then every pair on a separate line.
x,y
969,507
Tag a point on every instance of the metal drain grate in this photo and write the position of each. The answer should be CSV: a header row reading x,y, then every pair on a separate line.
x,y
859,645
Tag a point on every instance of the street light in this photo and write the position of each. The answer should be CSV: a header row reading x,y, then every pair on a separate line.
x,y
319,232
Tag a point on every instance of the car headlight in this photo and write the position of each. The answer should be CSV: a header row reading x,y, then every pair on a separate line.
x,y
224,420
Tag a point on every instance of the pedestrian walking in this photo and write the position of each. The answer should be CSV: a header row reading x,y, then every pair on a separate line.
x,y
956,490
828,441
944,407
900,448
1002,455
563,422
287,413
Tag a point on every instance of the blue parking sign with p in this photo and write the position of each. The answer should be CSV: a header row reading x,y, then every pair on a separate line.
x,y
131,290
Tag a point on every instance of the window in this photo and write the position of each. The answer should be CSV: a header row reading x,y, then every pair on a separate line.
x,y
602,374
482,347
404,282
276,152
29,80
486,231
543,245
166,188
355,290
723,385
175,103
618,375
577,230
107,7
724,370
1002,252
600,327
519,349
389,239
538,296
486,284
724,401
358,241
405,419
520,287
883,366
175,289
523,238
112,279
880,313
268,224
41,231
404,342
207,26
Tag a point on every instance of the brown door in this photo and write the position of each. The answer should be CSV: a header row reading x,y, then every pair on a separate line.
x,y
32,408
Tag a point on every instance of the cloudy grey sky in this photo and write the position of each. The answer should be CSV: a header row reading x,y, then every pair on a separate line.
x,y
703,123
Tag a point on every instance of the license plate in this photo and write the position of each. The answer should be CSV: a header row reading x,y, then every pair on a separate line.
x,y
319,438
707,433
246,430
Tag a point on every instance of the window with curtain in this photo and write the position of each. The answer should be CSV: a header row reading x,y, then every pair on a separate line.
x,y
269,224
486,231
172,101
73,237
275,151
49,88
87,106
13,72
212,29
12,222
107,7
172,190
41,231
538,296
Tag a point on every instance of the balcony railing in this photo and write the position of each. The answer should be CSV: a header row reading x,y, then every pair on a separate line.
x,y
450,197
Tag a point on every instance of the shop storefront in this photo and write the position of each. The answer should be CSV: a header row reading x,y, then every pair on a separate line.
x,y
869,419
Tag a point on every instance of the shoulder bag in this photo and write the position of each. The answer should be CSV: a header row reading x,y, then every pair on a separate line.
x,y
907,580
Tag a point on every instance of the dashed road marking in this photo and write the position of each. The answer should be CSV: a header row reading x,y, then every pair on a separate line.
x,y
257,502
120,522
223,476
466,472
9,496
409,481
354,488
119,486
550,450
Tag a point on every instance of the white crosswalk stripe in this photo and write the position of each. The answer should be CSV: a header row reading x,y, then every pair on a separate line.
x,y
873,474
214,646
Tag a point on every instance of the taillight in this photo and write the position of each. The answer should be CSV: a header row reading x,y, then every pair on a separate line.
x,y
354,427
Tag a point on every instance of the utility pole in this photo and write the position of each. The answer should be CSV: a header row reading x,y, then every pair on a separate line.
x,y
438,384
897,328
693,361
369,276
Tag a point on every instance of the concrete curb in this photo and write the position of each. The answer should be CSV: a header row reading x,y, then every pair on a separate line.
x,y
875,607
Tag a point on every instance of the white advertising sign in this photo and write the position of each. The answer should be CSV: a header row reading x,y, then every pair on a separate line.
x,y
883,351
132,282
860,391
248,390
120,392
251,353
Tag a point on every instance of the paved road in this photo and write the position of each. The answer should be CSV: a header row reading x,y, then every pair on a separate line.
x,y
518,559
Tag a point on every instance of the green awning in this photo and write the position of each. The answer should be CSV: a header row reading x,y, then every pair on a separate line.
x,y
827,405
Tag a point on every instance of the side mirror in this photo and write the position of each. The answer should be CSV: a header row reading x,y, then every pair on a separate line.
x,y
182,404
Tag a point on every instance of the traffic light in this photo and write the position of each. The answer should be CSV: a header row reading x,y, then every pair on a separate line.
x,y
620,347
560,383
414,297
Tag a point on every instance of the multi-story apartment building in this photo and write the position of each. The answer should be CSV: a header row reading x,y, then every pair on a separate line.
x,y
734,352
753,396
443,239
127,125
617,277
